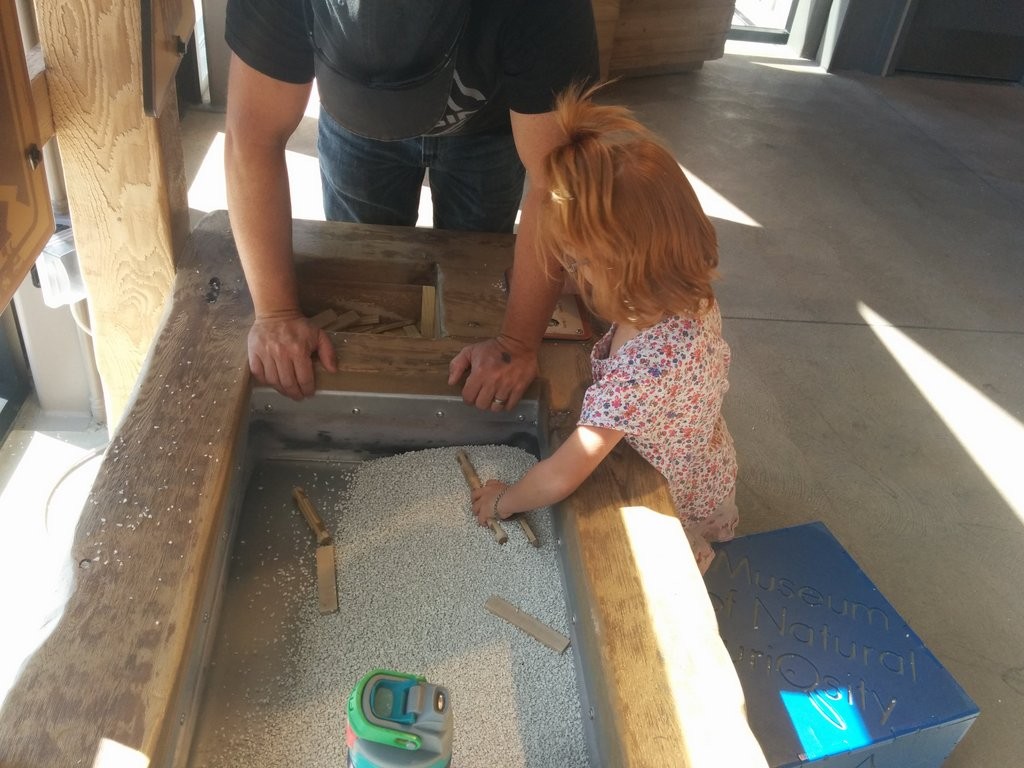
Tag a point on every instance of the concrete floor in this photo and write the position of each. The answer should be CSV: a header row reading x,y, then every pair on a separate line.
x,y
873,289
872,253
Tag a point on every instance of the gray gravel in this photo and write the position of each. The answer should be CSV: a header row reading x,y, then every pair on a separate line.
x,y
413,573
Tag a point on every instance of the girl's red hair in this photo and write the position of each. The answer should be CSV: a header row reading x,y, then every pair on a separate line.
x,y
621,207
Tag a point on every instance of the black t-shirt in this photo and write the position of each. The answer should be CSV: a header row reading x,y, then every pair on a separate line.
x,y
515,54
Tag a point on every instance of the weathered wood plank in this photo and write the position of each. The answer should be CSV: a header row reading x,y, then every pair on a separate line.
x,y
118,663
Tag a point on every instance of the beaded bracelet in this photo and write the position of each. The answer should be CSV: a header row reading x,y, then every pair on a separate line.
x,y
494,507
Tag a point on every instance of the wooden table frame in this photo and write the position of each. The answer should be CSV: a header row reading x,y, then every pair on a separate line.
x,y
123,663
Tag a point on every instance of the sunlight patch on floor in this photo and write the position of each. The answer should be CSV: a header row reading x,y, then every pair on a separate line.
x,y
39,509
209,191
715,204
992,437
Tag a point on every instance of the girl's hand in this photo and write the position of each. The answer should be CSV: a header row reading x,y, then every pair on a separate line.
x,y
483,501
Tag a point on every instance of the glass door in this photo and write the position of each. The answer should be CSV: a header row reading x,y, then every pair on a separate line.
x,y
763,20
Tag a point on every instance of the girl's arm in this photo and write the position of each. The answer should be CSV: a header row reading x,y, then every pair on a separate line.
x,y
550,480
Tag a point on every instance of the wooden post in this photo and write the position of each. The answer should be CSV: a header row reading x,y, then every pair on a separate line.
x,y
125,179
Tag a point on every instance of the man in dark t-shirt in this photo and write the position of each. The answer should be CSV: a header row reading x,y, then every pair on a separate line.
x,y
462,87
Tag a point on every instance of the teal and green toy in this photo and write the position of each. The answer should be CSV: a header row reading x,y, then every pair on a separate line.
x,y
397,720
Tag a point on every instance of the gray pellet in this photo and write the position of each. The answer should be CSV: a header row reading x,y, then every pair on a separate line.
x,y
413,573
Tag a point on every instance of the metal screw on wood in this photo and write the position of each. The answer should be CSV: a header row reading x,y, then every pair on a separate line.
x,y
34,155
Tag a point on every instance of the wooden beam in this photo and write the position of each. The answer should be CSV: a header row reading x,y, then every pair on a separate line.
x,y
125,179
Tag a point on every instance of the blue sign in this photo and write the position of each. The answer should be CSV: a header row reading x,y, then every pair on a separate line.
x,y
828,667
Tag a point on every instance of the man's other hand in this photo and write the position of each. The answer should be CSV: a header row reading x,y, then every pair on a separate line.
x,y
281,351
500,370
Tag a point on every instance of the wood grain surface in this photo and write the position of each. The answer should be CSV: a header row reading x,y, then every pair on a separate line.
x,y
125,179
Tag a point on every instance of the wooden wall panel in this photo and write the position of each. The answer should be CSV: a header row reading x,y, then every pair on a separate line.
x,y
125,179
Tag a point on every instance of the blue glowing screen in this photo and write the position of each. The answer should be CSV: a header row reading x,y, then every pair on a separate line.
x,y
826,721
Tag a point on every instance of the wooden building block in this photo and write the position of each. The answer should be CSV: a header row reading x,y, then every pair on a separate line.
x,y
393,325
346,320
326,579
323,319
428,312
364,322
503,609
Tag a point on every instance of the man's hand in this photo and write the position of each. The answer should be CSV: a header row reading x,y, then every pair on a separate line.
x,y
281,349
500,370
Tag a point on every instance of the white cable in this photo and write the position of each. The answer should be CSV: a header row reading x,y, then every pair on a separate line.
x,y
60,481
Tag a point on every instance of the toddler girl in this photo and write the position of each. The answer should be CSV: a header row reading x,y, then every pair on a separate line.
x,y
622,218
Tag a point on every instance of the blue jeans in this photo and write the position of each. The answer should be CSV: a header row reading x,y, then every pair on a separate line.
x,y
476,182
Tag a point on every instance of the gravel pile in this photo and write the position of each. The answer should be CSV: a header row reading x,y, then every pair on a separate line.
x,y
413,573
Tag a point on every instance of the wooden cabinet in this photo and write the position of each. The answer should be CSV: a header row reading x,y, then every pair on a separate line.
x,y
26,219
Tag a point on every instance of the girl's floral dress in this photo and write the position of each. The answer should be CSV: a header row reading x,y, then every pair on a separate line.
x,y
664,389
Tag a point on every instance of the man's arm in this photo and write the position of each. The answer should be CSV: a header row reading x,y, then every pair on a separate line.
x,y
262,113
503,368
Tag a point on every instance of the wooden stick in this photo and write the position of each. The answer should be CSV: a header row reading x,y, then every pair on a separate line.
x,y
528,531
308,511
473,480
556,641
411,332
468,470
